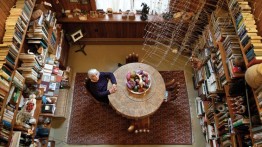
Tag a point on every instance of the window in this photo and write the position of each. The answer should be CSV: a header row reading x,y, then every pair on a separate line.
x,y
116,5
158,6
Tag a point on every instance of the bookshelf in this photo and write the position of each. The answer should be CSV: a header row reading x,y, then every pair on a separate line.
x,y
242,15
227,48
28,48
13,39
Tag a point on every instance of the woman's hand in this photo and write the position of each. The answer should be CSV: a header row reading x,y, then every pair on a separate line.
x,y
115,87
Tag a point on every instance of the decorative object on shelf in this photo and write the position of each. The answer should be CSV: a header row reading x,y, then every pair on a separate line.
x,y
101,15
253,76
187,15
131,16
76,12
83,15
195,62
178,15
110,12
74,1
138,81
93,14
167,15
124,15
145,11
85,1
183,15
25,115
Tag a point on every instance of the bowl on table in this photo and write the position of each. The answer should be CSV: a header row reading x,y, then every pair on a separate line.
x,y
138,81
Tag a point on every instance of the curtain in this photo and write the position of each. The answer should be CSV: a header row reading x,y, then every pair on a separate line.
x,y
156,6
116,5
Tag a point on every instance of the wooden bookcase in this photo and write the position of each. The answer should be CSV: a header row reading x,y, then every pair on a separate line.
x,y
23,48
236,138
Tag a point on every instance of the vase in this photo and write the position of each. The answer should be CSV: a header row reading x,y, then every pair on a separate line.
x,y
253,76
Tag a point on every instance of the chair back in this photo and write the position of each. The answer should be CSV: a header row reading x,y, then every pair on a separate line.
x,y
131,58
172,90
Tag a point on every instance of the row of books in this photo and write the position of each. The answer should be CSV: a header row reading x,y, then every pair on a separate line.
x,y
232,46
9,110
257,135
219,68
199,107
247,30
210,112
16,23
222,26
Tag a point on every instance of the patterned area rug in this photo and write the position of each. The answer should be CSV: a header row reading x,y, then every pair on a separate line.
x,y
93,123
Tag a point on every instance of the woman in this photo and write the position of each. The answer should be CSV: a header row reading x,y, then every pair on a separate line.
x,y
97,84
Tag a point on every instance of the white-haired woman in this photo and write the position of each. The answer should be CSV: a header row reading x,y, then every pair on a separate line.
x,y
97,84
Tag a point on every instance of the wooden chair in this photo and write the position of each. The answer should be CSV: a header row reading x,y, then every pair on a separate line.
x,y
172,90
131,58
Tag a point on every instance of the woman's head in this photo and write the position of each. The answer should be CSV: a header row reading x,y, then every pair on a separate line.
x,y
93,75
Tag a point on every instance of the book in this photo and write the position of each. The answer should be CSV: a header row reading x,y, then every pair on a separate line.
x,y
242,121
15,141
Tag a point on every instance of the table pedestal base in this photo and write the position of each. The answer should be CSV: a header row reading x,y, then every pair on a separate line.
x,y
139,125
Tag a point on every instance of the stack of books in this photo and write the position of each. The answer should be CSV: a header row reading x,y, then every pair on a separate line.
x,y
37,36
257,135
219,68
18,80
222,26
16,23
30,67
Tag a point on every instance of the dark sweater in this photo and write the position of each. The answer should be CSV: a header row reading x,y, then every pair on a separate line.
x,y
99,89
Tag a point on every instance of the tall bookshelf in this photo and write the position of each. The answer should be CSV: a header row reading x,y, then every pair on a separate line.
x,y
13,41
29,65
239,105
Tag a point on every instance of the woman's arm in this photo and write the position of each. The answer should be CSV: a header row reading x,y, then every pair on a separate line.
x,y
111,76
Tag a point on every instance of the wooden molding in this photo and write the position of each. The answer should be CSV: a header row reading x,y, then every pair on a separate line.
x,y
112,41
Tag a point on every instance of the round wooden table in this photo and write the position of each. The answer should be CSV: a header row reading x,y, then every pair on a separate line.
x,y
137,106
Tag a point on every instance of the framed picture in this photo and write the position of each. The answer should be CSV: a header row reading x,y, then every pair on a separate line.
x,y
84,1
73,1
77,35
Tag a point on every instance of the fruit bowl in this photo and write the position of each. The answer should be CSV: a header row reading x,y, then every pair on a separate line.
x,y
138,81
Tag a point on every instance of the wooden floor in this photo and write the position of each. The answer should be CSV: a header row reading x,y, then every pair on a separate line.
x,y
106,58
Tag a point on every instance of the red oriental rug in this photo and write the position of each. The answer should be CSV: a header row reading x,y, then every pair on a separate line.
x,y
93,123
